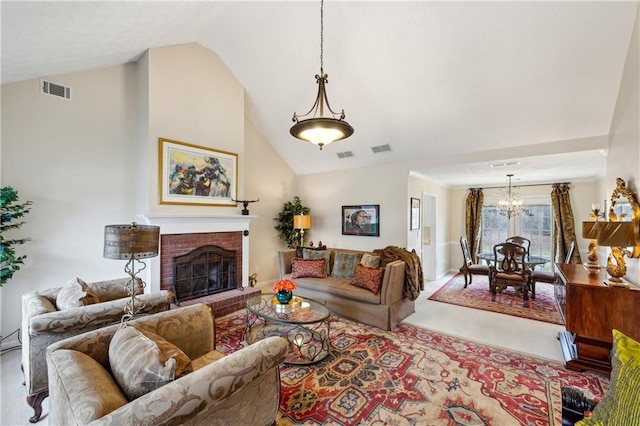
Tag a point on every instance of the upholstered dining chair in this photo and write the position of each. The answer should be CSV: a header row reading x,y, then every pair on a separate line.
x,y
468,267
549,277
509,269
524,242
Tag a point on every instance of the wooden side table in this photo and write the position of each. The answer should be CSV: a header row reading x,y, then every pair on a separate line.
x,y
591,311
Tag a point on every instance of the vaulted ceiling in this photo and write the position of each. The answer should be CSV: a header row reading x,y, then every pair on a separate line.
x,y
452,87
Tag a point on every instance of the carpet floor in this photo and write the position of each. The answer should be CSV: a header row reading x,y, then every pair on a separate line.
x,y
414,376
478,296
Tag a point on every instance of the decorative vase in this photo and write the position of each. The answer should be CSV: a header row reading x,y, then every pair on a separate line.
x,y
284,296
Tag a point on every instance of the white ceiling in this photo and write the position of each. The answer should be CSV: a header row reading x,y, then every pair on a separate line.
x,y
451,86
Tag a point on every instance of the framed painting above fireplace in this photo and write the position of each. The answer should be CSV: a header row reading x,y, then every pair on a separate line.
x,y
196,175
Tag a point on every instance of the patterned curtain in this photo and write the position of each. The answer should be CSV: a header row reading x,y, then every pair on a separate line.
x,y
564,231
473,220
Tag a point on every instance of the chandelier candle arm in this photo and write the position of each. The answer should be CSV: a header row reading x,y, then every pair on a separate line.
x,y
318,129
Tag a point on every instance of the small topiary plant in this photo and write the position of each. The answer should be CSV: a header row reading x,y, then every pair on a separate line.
x,y
285,229
11,210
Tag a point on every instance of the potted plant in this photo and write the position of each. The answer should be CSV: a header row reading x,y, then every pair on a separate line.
x,y
12,210
285,228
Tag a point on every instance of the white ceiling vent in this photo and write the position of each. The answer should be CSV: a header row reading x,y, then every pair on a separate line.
x,y
381,148
345,154
53,89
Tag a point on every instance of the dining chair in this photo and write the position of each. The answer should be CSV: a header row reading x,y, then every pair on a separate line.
x,y
524,242
510,269
549,277
469,268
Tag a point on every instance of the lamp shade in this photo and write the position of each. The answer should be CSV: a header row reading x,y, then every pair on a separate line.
x,y
301,221
590,230
124,242
617,234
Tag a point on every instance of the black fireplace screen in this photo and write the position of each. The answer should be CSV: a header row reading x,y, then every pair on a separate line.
x,y
204,271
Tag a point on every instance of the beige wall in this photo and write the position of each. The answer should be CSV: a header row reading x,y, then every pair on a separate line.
x,y
624,150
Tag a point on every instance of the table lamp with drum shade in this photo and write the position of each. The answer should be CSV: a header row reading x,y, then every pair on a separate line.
x,y
301,222
619,236
590,231
131,242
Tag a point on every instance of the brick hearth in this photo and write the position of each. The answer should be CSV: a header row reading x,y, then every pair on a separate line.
x,y
222,304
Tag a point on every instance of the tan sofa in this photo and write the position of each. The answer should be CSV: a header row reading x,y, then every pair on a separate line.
x,y
384,310
242,388
43,324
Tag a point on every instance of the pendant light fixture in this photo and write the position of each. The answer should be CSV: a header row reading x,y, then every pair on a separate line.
x,y
510,203
319,129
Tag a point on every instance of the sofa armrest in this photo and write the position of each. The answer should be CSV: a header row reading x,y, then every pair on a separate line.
x,y
199,392
94,316
392,288
284,261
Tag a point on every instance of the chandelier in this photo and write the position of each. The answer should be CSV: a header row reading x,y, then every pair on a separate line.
x,y
319,129
510,203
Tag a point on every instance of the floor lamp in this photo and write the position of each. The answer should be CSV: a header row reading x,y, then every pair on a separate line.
x,y
132,243
301,222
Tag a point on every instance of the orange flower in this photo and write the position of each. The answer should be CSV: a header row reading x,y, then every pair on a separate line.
x,y
286,285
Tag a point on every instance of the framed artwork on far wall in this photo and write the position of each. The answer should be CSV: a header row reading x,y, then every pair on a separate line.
x,y
415,214
196,175
361,220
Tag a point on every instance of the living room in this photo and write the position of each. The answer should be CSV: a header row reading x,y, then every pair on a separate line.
x,y
94,161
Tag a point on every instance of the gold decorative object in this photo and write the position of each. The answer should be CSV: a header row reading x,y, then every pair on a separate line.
x,y
625,208
618,236
590,231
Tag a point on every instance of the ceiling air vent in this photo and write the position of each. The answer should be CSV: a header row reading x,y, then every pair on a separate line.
x,y
53,89
345,154
381,148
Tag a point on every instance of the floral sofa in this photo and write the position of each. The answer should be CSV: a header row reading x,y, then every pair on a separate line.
x,y
46,319
241,388
348,292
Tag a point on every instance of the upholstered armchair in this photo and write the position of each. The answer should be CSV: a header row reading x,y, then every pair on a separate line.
x,y
43,323
241,388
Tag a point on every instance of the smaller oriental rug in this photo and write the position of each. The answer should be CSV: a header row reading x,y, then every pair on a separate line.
x,y
415,376
478,296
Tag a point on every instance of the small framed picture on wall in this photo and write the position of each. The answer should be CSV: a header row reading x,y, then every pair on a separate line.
x,y
415,214
361,220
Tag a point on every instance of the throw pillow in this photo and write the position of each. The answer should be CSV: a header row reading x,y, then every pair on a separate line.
x,y
299,249
318,254
311,268
344,265
370,260
619,405
369,278
75,294
142,361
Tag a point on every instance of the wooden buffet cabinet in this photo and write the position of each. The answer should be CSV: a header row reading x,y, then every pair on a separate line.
x,y
591,310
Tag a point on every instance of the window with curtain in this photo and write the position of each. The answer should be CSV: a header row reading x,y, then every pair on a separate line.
x,y
538,228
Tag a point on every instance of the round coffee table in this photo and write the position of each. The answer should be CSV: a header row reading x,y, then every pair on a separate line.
x,y
303,322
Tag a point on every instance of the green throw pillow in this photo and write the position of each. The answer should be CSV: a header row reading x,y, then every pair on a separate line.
x,y
344,265
621,404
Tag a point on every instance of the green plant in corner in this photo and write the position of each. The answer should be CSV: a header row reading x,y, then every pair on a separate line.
x,y
285,229
11,211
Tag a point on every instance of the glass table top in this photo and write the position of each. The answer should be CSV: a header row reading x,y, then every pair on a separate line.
x,y
299,311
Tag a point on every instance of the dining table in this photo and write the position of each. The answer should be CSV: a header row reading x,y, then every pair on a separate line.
x,y
531,261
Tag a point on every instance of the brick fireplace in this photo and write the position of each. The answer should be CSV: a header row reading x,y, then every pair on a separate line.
x,y
179,235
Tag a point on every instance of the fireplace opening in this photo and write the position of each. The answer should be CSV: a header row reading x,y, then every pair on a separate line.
x,y
204,271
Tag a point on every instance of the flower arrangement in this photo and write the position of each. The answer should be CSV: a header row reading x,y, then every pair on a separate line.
x,y
284,285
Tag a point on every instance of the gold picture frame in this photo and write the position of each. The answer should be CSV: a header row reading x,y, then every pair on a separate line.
x,y
196,175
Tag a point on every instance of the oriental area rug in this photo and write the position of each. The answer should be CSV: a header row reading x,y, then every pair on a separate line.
x,y
478,296
414,376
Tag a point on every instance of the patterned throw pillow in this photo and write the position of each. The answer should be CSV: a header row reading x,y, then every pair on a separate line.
x,y
142,361
619,405
75,294
370,260
369,278
311,268
318,254
344,265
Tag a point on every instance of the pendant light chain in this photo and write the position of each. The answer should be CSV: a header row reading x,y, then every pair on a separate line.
x,y
321,38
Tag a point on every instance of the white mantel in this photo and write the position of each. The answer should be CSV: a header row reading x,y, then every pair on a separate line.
x,y
190,224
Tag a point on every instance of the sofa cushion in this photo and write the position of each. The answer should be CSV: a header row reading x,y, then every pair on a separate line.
x,y
370,260
312,268
142,361
75,294
369,278
344,265
318,254
619,405
206,359
300,253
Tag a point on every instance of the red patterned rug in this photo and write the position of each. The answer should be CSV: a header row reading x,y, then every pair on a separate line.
x,y
478,296
414,376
